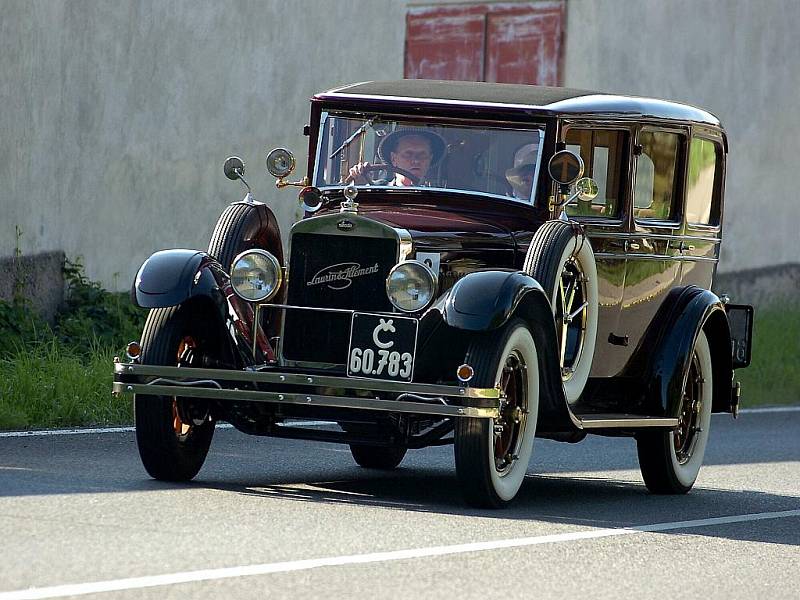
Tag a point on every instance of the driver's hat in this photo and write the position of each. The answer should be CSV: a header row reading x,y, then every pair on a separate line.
x,y
389,143
524,159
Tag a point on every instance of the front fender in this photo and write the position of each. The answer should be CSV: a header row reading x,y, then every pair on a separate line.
x,y
665,352
170,277
173,277
485,300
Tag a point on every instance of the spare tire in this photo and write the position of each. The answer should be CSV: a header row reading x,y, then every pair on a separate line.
x,y
243,226
561,259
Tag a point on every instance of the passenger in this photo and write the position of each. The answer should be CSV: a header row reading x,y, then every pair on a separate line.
x,y
521,175
413,150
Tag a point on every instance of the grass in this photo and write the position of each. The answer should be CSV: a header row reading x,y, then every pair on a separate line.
x,y
60,375
773,376
47,385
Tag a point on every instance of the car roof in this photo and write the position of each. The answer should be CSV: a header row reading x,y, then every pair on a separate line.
x,y
548,100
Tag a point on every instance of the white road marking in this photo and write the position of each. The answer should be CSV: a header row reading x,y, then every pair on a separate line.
x,y
96,430
769,409
133,583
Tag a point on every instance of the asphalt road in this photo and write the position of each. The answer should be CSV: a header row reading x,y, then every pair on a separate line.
x,y
277,518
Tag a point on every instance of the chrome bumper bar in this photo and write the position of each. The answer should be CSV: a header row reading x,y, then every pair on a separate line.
x,y
428,399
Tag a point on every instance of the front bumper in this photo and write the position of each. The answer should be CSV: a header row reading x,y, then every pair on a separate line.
x,y
276,387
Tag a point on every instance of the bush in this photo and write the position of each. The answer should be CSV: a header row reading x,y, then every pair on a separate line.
x,y
61,375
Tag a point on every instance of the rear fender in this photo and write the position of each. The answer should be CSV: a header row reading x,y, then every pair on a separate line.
x,y
485,300
664,354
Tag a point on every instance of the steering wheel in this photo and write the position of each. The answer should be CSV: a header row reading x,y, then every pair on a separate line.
x,y
389,170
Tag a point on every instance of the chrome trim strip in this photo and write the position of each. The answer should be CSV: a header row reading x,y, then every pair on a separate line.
x,y
614,235
625,421
354,383
659,257
403,406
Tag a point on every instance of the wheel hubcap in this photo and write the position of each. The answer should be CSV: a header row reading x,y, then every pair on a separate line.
x,y
689,426
513,412
180,425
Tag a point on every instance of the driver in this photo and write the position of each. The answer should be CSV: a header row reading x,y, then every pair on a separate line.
x,y
412,150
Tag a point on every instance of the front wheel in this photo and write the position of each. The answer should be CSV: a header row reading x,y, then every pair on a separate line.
x,y
173,434
670,460
492,455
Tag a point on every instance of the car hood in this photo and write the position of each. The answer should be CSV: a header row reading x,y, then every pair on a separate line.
x,y
444,230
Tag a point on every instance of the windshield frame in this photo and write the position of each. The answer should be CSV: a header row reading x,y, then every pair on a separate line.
x,y
479,124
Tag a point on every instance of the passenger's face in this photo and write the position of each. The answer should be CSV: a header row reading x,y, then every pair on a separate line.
x,y
525,182
413,153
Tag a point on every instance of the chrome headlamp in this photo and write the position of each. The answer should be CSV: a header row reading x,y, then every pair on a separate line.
x,y
410,286
256,275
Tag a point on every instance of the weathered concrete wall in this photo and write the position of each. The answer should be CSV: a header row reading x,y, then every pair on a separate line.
x,y
117,116
39,279
738,59
763,287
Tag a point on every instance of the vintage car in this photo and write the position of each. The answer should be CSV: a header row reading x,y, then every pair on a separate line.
x,y
478,265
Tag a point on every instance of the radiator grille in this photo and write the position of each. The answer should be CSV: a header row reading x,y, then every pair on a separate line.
x,y
333,271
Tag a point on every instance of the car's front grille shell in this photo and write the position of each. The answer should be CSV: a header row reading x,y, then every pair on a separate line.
x,y
333,271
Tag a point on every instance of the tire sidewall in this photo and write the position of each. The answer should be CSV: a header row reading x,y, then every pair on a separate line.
x,y
686,474
506,485
584,256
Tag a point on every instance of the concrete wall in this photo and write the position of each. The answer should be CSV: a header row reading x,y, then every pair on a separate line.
x,y
740,60
117,116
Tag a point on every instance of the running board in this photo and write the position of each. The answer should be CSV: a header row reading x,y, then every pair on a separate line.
x,y
624,421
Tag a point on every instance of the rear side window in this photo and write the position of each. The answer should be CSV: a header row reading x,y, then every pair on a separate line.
x,y
702,188
604,158
656,192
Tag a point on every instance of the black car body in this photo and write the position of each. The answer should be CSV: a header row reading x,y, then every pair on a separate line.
x,y
479,296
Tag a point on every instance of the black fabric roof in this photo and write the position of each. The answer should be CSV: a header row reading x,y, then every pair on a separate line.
x,y
465,91
557,99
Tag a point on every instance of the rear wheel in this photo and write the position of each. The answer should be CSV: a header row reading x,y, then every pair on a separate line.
x,y
492,455
377,457
670,460
173,434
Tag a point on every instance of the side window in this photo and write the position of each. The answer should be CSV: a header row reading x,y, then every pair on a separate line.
x,y
604,157
656,193
702,203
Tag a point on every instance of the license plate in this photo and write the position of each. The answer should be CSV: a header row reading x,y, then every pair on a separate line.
x,y
382,347
740,319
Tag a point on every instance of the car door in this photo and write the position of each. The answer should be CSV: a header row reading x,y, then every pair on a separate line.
x,y
653,246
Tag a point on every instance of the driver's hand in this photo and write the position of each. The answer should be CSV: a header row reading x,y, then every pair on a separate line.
x,y
356,174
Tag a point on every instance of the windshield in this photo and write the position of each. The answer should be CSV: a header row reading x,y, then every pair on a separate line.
x,y
379,151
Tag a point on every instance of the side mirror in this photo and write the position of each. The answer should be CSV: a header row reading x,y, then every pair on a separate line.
x,y
565,167
233,168
586,189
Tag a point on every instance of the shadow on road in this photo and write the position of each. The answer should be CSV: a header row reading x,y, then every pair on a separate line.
x,y
573,484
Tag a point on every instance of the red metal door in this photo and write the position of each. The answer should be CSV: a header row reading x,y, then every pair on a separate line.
x,y
506,43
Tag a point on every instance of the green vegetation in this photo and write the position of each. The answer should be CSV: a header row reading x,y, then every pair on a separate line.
x,y
61,375
773,376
